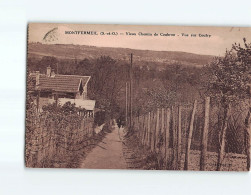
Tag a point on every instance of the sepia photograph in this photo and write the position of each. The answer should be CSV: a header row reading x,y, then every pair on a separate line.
x,y
141,97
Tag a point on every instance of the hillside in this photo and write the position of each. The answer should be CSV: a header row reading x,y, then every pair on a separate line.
x,y
63,51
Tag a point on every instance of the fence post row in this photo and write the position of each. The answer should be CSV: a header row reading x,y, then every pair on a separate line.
x,y
161,129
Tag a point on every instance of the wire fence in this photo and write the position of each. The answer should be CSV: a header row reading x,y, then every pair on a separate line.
x,y
182,138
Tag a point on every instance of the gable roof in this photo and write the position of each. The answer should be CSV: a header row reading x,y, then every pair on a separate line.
x,y
61,83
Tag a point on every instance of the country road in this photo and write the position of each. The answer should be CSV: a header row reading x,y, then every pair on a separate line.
x,y
108,154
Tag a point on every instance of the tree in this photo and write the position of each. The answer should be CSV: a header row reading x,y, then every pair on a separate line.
x,y
106,83
84,67
228,83
183,81
48,61
244,57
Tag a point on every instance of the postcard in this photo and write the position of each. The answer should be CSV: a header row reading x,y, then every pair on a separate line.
x,y
144,97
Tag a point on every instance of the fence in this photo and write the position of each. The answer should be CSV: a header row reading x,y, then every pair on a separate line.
x,y
169,133
52,140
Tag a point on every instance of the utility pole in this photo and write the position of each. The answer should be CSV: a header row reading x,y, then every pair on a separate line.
x,y
131,93
126,117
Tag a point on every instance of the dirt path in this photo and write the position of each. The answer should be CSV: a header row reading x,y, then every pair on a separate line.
x,y
107,155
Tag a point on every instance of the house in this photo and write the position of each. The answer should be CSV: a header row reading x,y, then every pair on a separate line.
x,y
51,87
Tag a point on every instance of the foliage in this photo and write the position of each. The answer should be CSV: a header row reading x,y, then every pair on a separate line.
x,y
108,78
67,108
229,75
152,95
58,136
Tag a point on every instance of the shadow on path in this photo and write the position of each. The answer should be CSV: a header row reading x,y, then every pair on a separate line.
x,y
109,155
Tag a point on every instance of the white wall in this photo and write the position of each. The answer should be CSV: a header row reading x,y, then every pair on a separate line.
x,y
15,178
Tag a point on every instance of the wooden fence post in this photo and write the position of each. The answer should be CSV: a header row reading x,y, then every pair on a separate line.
x,y
138,127
149,130
167,135
223,138
138,132
204,138
143,129
153,132
146,129
205,135
190,135
247,136
179,146
162,131
157,131
174,139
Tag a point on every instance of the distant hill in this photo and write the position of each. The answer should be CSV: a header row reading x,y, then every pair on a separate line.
x,y
162,58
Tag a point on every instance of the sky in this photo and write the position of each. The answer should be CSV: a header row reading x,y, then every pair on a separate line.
x,y
207,40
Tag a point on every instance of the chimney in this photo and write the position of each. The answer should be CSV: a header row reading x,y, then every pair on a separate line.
x,y
52,73
37,78
48,72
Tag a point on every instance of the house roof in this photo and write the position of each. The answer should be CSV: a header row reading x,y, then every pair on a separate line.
x,y
61,83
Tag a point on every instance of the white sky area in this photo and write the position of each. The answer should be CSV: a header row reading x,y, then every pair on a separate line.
x,y
221,37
